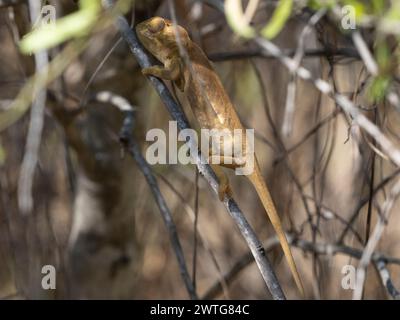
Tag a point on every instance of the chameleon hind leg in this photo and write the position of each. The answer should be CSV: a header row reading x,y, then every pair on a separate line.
x,y
228,162
224,187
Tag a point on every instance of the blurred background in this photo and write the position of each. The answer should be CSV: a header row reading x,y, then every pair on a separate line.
x,y
70,198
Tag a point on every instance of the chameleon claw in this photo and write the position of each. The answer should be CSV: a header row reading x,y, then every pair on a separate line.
x,y
146,71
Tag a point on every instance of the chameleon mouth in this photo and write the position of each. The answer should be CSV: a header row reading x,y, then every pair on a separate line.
x,y
143,34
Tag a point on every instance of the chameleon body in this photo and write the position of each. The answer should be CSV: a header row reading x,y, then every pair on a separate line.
x,y
193,73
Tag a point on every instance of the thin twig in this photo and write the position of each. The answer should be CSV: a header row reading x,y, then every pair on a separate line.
x,y
133,148
166,215
201,234
25,183
259,53
364,201
195,226
287,124
365,54
371,189
374,239
309,134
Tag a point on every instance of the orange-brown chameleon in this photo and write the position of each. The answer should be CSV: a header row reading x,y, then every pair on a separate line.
x,y
210,104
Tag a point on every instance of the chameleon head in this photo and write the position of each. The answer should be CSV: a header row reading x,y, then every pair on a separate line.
x,y
159,37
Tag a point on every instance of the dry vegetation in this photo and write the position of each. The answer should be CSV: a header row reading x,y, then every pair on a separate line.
x,y
332,166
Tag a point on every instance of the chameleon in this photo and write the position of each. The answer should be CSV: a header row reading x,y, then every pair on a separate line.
x,y
185,63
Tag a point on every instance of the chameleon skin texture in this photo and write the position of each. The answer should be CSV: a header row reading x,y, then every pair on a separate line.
x,y
184,63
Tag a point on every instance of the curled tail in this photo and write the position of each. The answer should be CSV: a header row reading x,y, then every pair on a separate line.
x,y
258,182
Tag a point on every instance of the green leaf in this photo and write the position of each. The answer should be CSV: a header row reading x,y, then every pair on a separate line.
x,y
2,154
394,12
383,55
73,25
278,20
378,6
45,37
320,4
90,5
378,88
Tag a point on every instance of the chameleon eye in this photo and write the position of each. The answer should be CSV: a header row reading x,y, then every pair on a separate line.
x,y
156,25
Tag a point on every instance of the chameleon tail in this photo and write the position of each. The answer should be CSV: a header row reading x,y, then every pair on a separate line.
x,y
258,182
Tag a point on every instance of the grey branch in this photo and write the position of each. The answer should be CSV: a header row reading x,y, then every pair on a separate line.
x,y
387,282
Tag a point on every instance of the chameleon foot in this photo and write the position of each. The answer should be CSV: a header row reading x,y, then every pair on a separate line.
x,y
224,189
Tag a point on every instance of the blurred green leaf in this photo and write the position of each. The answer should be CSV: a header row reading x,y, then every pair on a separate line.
x,y
2,154
320,4
278,20
394,11
378,88
378,6
89,4
236,19
75,24
383,55
390,21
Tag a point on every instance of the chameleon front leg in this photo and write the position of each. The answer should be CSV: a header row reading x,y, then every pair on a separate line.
x,y
172,70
